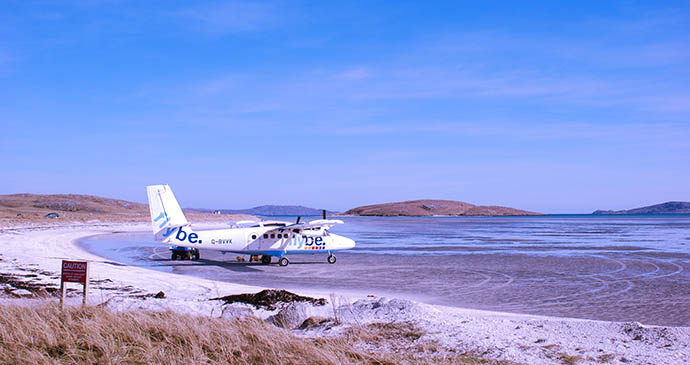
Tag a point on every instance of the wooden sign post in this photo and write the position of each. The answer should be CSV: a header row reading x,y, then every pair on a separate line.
x,y
74,272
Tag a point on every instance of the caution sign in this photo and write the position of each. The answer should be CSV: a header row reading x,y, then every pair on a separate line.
x,y
74,271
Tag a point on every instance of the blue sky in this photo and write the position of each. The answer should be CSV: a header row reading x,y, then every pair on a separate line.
x,y
545,106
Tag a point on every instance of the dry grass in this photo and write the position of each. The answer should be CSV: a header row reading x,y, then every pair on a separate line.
x,y
403,342
96,335
605,358
46,335
569,359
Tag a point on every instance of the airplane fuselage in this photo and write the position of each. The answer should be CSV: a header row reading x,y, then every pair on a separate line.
x,y
257,240
264,238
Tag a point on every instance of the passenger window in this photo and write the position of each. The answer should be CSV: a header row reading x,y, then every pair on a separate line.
x,y
273,235
253,236
266,236
280,235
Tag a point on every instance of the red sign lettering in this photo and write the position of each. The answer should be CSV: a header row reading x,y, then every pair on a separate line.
x,y
74,271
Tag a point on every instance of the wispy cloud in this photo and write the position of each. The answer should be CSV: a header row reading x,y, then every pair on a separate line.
x,y
635,133
235,16
217,85
589,79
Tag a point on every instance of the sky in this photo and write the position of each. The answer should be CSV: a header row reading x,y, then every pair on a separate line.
x,y
555,107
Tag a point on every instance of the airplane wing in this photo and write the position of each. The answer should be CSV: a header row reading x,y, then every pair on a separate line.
x,y
296,225
319,224
325,223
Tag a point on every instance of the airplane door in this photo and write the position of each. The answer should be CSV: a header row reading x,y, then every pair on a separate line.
x,y
254,241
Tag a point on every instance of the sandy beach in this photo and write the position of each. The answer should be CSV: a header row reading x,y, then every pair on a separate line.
x,y
33,252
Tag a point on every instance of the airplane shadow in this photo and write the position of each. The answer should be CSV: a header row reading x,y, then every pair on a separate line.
x,y
229,265
304,263
232,266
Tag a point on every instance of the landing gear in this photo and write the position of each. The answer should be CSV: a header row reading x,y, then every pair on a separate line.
x,y
331,259
266,259
283,261
184,253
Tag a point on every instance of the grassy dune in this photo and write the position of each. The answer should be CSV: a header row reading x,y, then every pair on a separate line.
x,y
42,335
31,208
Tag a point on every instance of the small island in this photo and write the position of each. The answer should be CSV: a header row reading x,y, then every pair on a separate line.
x,y
435,208
663,208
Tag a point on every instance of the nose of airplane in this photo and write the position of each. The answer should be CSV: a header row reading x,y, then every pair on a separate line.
x,y
348,243
344,243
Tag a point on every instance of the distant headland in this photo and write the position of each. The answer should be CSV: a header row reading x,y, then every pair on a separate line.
x,y
663,208
269,210
435,207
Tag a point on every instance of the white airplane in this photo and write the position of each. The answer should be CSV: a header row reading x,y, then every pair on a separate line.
x,y
268,239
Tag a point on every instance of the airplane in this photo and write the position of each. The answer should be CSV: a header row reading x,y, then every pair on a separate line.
x,y
268,238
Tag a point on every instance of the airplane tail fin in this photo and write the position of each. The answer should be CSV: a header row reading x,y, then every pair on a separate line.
x,y
166,214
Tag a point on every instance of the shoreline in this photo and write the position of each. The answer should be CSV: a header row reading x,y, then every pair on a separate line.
x,y
496,335
356,295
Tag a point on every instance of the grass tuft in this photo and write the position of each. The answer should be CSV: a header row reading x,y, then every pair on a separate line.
x,y
43,335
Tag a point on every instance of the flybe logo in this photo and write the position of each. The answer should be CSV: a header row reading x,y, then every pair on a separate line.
x,y
168,232
309,243
163,218
191,237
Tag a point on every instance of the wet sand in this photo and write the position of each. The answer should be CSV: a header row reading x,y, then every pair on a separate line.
x,y
615,285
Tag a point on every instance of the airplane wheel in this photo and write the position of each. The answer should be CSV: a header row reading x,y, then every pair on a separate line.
x,y
174,256
331,259
188,256
196,255
266,259
283,261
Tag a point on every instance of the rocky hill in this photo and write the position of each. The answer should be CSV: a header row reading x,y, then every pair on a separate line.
x,y
85,207
435,207
663,208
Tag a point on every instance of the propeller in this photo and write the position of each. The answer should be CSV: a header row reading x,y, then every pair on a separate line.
x,y
324,214
298,218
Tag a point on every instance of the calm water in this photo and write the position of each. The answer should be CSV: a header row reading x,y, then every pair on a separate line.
x,y
599,267
551,235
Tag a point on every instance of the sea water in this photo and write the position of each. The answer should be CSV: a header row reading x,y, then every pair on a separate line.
x,y
541,235
621,268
